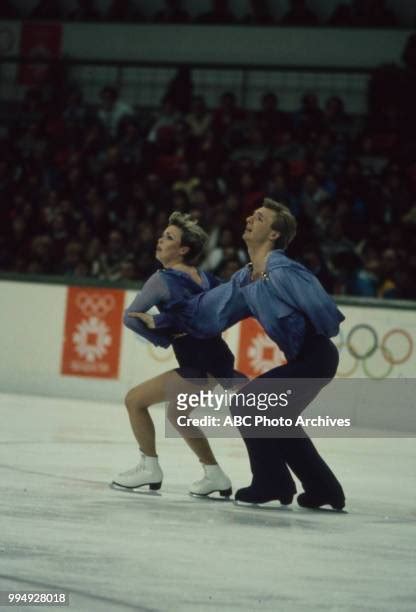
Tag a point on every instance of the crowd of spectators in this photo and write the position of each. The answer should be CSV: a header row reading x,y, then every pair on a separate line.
x,y
352,13
87,189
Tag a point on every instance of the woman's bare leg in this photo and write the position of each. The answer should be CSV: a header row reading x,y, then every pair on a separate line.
x,y
197,442
195,439
214,480
137,402
155,391
202,449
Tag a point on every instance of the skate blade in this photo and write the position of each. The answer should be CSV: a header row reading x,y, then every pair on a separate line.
x,y
273,505
136,490
323,510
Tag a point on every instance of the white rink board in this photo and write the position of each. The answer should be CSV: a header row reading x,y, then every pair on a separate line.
x,y
32,324
32,328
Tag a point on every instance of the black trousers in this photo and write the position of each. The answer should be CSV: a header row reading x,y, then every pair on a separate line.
x,y
270,456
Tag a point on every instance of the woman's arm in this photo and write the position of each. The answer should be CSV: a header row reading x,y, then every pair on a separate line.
x,y
207,314
153,293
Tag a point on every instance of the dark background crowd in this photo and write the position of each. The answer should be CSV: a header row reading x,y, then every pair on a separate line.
x,y
87,189
352,13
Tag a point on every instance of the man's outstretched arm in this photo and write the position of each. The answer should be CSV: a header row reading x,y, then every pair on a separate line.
x,y
207,314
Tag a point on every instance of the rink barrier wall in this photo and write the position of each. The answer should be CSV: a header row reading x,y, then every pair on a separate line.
x,y
141,59
50,279
320,46
377,340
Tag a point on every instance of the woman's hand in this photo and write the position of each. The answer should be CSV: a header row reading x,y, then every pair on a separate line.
x,y
147,319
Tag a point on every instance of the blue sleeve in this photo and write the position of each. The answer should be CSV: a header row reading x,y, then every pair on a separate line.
x,y
165,319
301,290
213,280
187,311
153,293
209,313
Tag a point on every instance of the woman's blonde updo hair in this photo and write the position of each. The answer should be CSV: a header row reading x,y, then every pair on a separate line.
x,y
193,236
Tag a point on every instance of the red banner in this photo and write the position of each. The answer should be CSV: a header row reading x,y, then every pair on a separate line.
x,y
38,41
257,353
92,332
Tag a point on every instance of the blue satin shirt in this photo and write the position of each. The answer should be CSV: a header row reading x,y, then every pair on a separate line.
x,y
288,301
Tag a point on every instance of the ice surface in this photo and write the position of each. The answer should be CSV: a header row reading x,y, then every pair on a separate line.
x,y
62,527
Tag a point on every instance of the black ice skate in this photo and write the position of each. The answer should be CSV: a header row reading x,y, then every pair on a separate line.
x,y
259,495
315,501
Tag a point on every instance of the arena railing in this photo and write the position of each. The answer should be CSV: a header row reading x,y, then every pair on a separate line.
x,y
143,83
71,281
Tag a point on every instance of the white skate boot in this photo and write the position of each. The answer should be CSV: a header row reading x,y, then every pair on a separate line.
x,y
213,481
147,472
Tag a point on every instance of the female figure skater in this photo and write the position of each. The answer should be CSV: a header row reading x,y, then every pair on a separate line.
x,y
178,249
297,313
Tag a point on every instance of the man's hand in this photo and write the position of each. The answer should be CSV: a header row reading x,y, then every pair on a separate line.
x,y
147,319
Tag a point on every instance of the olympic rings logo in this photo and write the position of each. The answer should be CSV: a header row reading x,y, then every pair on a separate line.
x,y
95,305
362,343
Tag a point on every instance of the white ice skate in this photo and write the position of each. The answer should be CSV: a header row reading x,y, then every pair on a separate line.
x,y
147,472
213,481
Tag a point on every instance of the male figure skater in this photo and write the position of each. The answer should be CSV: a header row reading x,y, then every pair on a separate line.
x,y
296,312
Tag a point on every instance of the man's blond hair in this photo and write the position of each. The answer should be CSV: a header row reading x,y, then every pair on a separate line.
x,y
284,223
